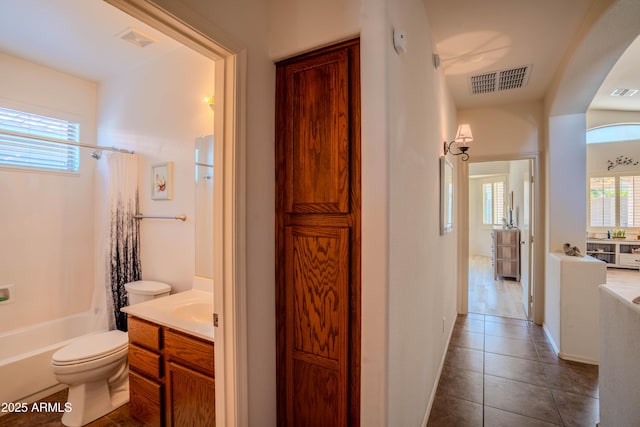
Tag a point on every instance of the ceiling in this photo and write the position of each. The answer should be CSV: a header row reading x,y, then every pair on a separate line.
x,y
476,37
80,37
471,37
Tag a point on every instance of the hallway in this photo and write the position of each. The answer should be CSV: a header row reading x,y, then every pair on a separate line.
x,y
503,372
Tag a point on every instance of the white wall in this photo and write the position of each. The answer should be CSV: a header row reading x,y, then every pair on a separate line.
x,y
47,229
422,264
566,200
158,111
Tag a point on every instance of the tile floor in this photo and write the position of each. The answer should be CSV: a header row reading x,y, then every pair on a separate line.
x,y
119,417
503,372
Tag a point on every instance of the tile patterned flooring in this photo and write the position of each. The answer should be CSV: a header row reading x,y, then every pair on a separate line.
x,y
503,372
119,417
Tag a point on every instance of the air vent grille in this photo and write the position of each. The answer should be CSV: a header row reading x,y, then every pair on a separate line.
x,y
512,78
136,37
483,83
624,92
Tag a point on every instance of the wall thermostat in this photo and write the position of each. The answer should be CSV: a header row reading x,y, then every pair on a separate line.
x,y
400,40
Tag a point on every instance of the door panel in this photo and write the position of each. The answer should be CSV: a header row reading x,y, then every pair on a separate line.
x,y
318,238
319,135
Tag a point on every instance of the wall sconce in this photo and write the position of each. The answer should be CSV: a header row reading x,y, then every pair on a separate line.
x,y
463,137
210,101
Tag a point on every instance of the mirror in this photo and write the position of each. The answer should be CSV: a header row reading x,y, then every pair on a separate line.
x,y
204,206
446,195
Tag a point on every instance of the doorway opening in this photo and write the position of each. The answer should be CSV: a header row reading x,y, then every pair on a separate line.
x,y
501,206
231,393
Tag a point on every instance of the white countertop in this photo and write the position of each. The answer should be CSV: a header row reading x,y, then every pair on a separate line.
x,y
163,311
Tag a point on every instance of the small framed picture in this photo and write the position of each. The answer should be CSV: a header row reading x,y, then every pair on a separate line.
x,y
162,181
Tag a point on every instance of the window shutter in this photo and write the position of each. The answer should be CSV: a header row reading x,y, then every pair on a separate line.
x,y
498,202
32,141
602,201
629,201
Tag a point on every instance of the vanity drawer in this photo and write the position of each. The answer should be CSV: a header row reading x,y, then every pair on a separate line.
x,y
192,352
144,333
145,361
145,402
630,259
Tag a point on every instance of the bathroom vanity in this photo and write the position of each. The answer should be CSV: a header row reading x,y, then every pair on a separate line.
x,y
171,377
171,360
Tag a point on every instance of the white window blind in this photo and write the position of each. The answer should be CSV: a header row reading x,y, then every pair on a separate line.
x,y
493,203
630,201
31,141
602,201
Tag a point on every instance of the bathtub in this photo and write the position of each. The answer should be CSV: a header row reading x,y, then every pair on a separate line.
x,y
25,356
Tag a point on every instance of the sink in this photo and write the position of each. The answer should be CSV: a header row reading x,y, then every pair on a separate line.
x,y
200,312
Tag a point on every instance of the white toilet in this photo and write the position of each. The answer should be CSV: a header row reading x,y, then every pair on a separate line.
x,y
95,366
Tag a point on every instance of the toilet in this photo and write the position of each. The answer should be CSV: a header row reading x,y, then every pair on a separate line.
x,y
95,366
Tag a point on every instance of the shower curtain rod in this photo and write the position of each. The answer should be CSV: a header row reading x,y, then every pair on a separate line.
x,y
77,144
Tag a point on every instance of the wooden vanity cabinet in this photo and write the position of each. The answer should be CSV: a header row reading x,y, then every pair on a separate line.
x,y
146,382
171,376
190,380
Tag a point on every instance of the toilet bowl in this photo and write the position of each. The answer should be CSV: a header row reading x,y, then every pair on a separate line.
x,y
95,366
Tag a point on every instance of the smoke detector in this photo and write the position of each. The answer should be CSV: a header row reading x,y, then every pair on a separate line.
x,y
495,81
136,37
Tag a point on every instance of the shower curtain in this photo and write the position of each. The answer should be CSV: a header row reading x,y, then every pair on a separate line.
x,y
123,263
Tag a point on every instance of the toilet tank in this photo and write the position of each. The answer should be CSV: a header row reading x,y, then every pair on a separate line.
x,y
145,290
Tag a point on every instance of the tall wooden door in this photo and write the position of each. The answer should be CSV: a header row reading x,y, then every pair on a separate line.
x,y
318,237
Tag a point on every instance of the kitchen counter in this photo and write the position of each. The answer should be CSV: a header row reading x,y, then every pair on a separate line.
x,y
190,312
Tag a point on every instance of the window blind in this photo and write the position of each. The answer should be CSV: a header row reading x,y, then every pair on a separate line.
x,y
32,141
493,203
629,201
602,201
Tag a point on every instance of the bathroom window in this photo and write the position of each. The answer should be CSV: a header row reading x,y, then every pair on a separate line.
x,y
31,141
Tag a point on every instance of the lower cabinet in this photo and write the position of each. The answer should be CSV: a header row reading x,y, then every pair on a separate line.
x,y
191,395
171,376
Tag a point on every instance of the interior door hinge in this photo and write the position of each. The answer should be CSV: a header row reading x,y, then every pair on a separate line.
x,y
215,320
530,299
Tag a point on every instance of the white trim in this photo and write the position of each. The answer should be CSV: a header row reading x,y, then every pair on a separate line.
x,y
434,389
537,288
229,121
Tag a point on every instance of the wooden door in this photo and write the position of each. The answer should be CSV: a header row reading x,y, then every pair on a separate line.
x,y
318,237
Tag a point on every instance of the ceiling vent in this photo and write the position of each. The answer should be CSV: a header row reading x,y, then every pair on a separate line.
x,y
494,81
624,92
136,37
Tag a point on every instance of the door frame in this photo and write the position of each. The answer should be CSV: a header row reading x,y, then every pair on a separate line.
x,y
231,391
536,286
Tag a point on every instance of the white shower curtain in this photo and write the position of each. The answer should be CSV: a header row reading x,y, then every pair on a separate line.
x,y
123,264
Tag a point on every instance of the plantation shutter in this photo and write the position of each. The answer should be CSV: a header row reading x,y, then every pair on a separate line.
x,y
602,201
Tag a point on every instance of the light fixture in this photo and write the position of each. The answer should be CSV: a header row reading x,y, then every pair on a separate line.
x,y
210,101
463,138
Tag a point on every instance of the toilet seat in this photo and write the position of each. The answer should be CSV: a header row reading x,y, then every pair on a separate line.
x,y
91,347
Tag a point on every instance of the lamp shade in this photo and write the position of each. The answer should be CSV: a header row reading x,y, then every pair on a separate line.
x,y
464,135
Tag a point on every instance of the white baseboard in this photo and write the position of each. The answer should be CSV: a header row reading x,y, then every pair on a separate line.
x,y
434,389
